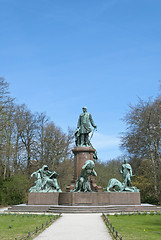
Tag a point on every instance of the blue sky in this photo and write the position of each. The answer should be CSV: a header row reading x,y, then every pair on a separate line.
x,y
59,56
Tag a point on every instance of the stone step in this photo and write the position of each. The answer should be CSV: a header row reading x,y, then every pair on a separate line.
x,y
107,209
28,208
83,209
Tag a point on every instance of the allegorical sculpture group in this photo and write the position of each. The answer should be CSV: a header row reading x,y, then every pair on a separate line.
x,y
46,181
117,186
83,183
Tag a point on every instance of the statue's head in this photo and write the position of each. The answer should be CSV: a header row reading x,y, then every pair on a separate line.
x,y
125,160
45,168
84,109
89,164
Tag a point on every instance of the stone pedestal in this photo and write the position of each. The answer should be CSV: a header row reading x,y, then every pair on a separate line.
x,y
81,155
40,198
84,199
99,198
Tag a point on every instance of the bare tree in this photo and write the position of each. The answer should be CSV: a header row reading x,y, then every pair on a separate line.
x,y
6,127
142,140
42,123
27,128
57,145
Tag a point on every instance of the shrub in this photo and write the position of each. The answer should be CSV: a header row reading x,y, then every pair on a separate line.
x,y
13,190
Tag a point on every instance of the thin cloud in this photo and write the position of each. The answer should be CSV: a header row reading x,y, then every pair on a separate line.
x,y
102,141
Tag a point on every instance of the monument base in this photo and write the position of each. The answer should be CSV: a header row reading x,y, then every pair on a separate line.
x,y
99,198
84,199
40,198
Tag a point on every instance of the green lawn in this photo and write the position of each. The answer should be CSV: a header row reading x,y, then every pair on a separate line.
x,y
138,227
18,225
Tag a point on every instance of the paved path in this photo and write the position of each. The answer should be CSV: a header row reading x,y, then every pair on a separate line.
x,y
3,209
76,227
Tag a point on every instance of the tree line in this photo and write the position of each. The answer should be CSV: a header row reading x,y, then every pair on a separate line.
x,y
29,140
142,142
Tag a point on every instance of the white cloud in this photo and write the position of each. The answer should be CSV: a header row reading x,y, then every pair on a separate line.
x,y
102,141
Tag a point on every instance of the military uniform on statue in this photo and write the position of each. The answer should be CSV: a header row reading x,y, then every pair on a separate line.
x,y
84,128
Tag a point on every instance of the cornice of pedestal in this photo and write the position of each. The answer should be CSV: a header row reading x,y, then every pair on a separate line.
x,y
83,149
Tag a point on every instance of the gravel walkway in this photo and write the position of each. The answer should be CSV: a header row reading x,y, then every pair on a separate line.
x,y
76,227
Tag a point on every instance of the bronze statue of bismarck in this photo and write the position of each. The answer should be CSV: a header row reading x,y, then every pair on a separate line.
x,y
84,128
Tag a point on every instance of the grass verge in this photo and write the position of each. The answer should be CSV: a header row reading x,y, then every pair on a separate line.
x,y
137,226
18,226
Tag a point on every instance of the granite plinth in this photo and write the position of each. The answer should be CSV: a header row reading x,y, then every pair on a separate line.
x,y
85,199
40,198
99,198
81,155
